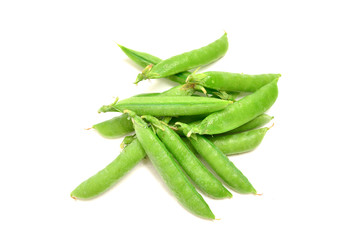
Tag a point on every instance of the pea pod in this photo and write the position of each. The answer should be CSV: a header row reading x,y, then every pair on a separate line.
x,y
240,112
219,162
186,61
168,105
143,59
169,170
122,125
195,120
115,127
196,171
239,142
131,155
227,81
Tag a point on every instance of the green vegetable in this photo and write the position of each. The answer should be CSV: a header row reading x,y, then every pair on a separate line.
x,y
143,59
240,112
219,162
237,82
239,142
122,125
104,179
186,61
196,171
167,106
169,170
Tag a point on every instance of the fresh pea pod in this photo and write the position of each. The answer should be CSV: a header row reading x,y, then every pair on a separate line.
x,y
240,112
239,142
168,105
219,162
194,120
115,127
193,167
122,125
169,170
227,81
143,59
131,155
186,61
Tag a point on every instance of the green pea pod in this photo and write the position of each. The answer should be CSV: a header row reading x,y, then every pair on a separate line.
x,y
237,82
115,127
168,105
169,170
133,153
240,112
122,125
104,179
239,142
143,59
196,171
186,61
219,162
194,120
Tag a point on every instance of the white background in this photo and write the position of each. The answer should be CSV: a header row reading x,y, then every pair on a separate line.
x,y
59,63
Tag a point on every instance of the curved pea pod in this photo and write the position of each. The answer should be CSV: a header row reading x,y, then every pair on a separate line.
x,y
104,179
235,143
122,125
143,59
186,61
219,162
168,105
169,170
115,127
193,167
239,142
227,81
240,112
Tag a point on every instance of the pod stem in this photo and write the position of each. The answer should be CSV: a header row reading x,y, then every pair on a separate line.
x,y
127,140
222,95
108,108
144,74
154,121
188,132
197,78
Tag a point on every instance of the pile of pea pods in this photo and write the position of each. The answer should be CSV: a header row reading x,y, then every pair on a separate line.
x,y
188,131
